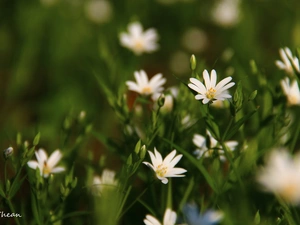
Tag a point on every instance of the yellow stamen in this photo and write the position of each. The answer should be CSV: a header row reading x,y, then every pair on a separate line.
x,y
288,192
210,94
147,90
161,171
46,169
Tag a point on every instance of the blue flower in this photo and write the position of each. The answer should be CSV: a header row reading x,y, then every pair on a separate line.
x,y
193,217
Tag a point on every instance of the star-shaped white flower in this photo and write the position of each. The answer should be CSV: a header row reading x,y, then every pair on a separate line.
x,y
291,91
288,61
203,151
145,86
211,91
165,168
106,181
281,176
169,218
46,165
138,41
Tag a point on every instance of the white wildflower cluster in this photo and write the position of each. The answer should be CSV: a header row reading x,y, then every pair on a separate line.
x,y
289,64
280,176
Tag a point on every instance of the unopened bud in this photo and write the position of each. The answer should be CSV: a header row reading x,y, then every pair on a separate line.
x,y
193,62
161,100
143,152
8,152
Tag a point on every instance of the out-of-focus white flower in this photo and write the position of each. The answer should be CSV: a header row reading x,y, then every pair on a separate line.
x,y
288,61
46,165
291,91
165,168
180,63
188,121
169,99
145,86
169,218
139,41
226,13
194,40
193,217
204,151
105,182
211,91
98,11
281,176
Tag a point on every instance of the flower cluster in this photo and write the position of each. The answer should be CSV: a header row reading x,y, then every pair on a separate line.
x,y
281,176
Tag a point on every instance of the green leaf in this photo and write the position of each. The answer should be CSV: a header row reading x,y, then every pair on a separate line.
x,y
196,163
36,139
212,126
257,218
1,190
238,124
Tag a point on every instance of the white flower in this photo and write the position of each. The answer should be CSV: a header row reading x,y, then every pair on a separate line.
x,y
138,41
98,11
287,58
169,218
145,86
46,165
202,150
211,92
281,176
106,181
226,13
165,168
291,91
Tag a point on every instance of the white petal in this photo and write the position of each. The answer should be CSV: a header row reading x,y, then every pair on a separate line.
x,y
169,158
149,165
54,158
213,78
32,164
175,161
58,169
150,220
158,156
169,217
41,156
223,82
206,79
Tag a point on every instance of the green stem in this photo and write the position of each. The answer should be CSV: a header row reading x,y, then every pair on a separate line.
x,y
12,209
227,128
5,171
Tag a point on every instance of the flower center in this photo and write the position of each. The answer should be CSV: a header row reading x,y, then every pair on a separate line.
x,y
46,169
139,46
146,90
293,100
161,170
288,192
210,94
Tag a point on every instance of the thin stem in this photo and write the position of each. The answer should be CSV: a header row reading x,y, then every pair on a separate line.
x,y
12,209
5,171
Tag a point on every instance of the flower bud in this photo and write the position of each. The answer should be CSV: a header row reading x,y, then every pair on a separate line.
x,y
8,152
161,100
193,62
